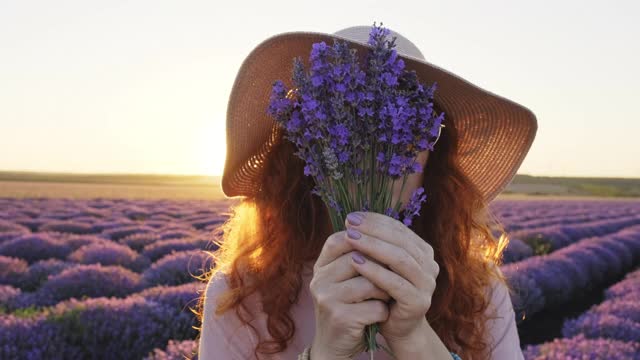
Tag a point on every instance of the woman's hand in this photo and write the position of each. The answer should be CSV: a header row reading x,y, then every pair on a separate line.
x,y
411,277
344,302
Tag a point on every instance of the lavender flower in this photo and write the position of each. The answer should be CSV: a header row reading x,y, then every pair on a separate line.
x,y
357,125
413,207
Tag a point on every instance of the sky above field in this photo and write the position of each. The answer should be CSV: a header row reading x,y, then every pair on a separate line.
x,y
142,86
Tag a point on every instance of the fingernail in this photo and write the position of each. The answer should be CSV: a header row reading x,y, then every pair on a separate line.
x,y
357,258
354,234
354,218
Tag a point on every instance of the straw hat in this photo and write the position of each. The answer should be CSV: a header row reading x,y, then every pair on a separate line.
x,y
495,133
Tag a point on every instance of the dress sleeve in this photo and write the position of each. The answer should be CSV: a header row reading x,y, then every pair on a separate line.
x,y
503,332
223,336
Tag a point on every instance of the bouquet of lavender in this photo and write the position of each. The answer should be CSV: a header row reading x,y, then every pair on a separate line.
x,y
357,128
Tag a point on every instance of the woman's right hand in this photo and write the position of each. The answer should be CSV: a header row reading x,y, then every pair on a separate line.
x,y
344,301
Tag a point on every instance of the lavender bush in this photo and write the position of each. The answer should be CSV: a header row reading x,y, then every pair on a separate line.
x,y
177,268
88,281
39,272
167,234
176,297
124,231
206,221
10,235
23,247
8,296
628,287
516,250
99,325
34,338
110,253
162,248
67,226
526,296
138,241
100,328
180,300
10,230
135,213
112,224
8,226
603,325
12,270
77,241
617,318
633,275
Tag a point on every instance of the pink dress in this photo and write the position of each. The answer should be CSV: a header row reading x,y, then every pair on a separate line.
x,y
224,337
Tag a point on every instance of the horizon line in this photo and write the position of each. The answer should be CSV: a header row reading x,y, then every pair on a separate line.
x,y
220,175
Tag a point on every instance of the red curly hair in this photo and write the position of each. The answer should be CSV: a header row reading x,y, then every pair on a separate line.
x,y
273,234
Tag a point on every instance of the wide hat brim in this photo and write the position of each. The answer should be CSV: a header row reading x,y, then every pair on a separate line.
x,y
495,133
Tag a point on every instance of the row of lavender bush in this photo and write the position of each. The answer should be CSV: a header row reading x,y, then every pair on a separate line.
x,y
553,279
516,215
126,256
618,317
523,243
609,330
102,328
56,281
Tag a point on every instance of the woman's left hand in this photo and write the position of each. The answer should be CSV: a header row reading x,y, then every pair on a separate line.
x,y
411,277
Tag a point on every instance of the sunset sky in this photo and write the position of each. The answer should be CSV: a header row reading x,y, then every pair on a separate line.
x,y
142,86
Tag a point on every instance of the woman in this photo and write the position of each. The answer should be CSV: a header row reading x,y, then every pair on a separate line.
x,y
284,283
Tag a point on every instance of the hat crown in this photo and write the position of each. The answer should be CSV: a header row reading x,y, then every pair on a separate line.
x,y
360,34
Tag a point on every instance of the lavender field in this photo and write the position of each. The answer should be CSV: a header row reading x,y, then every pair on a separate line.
x,y
115,278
